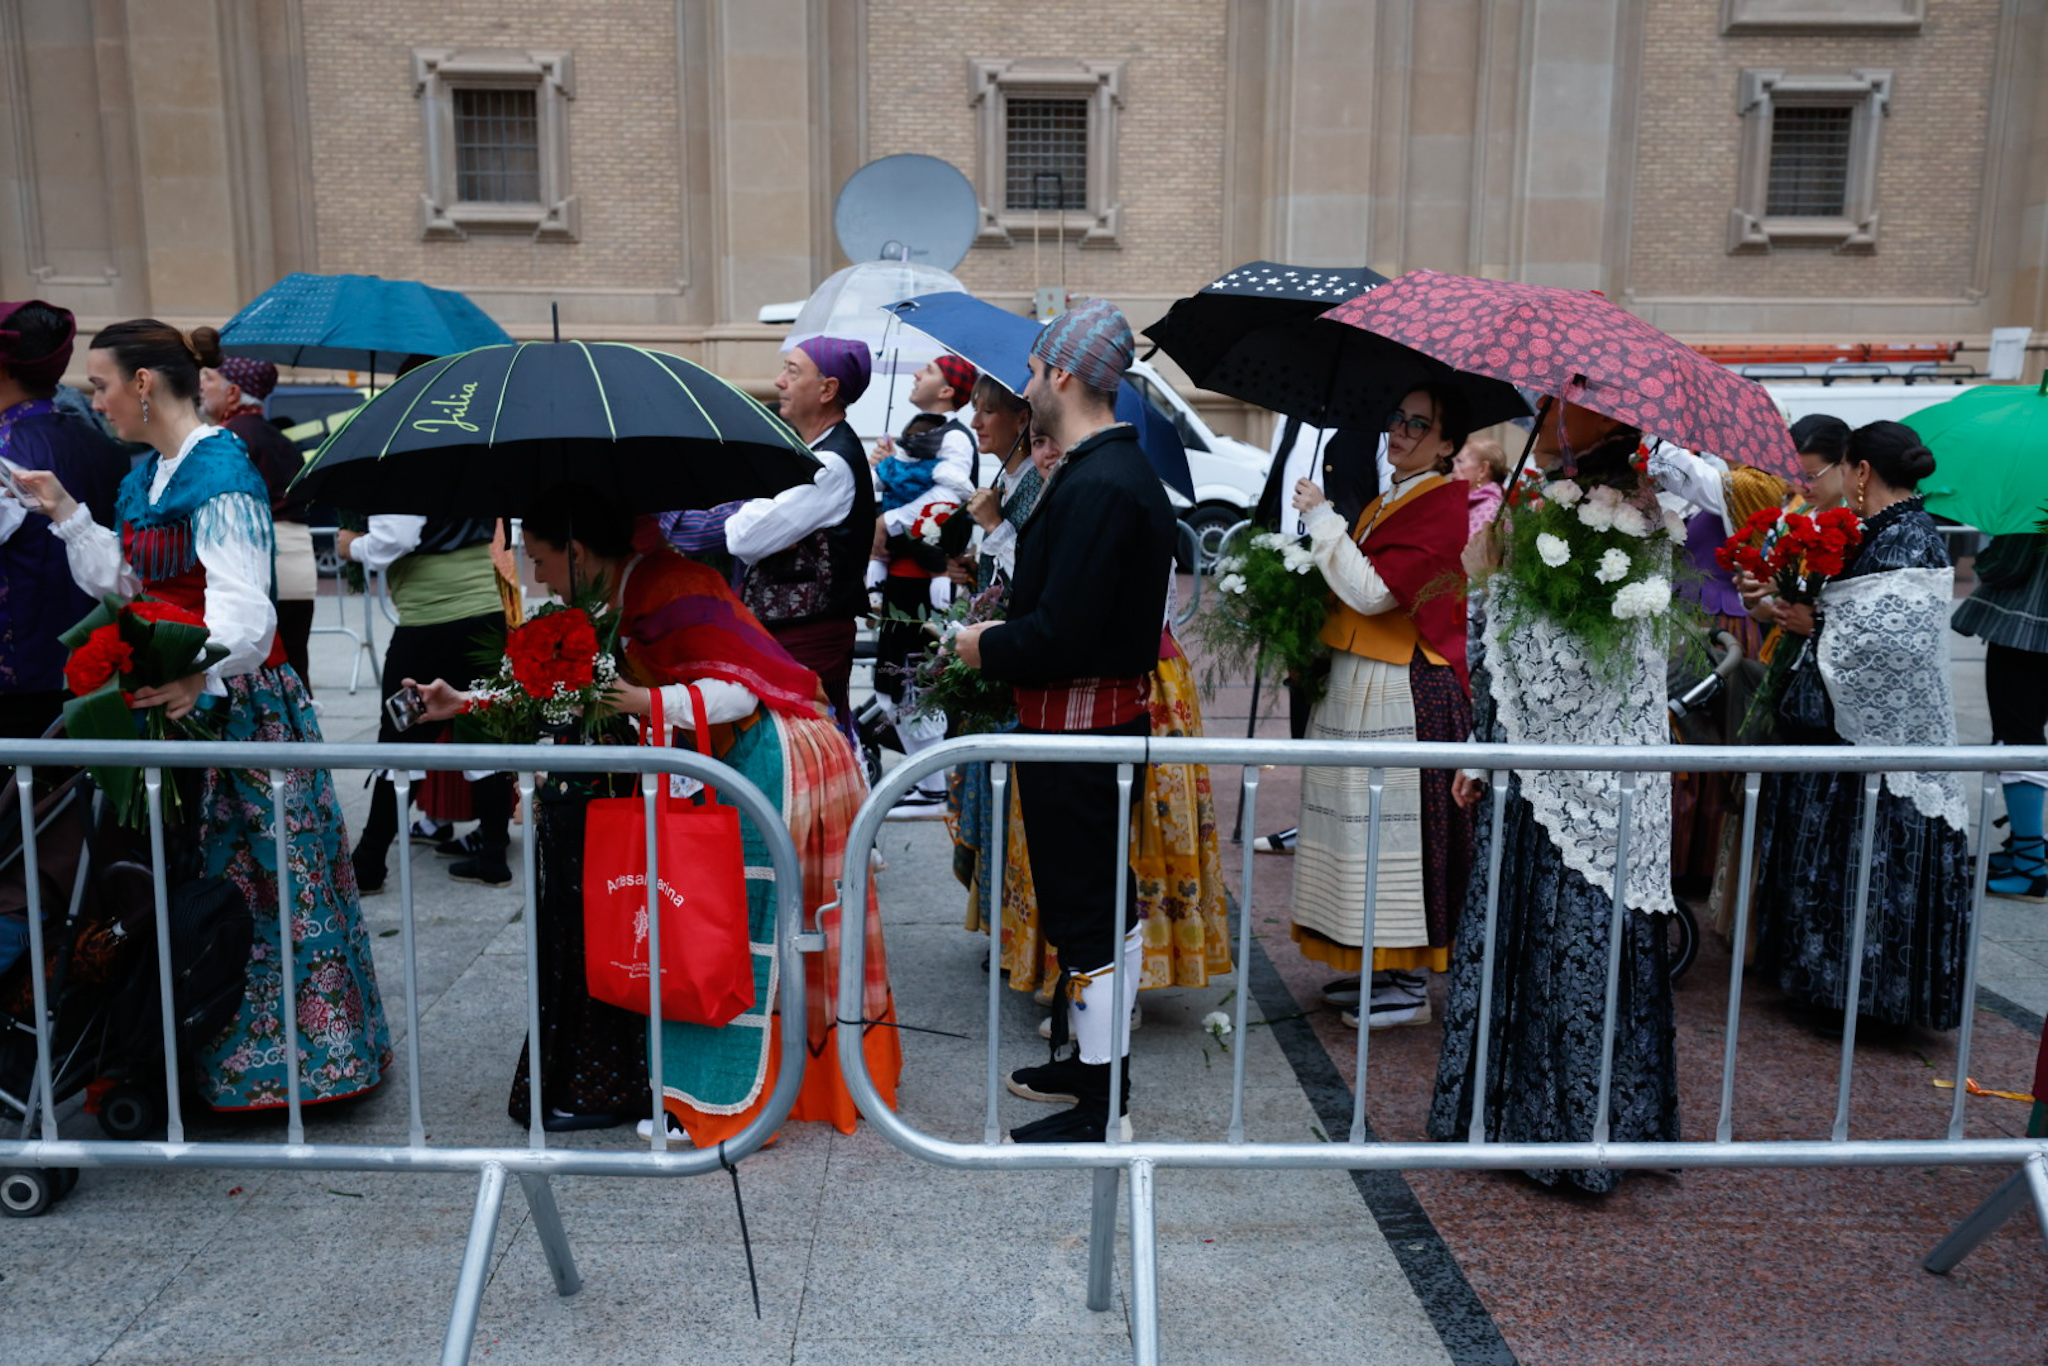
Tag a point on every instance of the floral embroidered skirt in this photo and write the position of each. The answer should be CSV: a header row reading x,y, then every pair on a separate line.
x,y
1542,1081
344,1045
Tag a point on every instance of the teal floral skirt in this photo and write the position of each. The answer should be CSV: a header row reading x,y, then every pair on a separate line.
x,y
344,1044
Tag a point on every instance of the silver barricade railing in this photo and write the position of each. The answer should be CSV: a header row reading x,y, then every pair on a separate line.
x,y
535,1164
365,639
1107,1160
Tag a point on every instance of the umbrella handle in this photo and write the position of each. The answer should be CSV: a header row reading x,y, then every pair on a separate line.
x,y
1542,411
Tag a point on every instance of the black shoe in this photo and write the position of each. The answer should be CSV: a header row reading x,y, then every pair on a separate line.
x,y
465,846
1062,1081
562,1122
369,876
1279,842
1082,1124
487,869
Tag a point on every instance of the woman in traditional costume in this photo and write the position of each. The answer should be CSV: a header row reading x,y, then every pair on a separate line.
x,y
195,531
1534,684
680,625
1397,634
1874,671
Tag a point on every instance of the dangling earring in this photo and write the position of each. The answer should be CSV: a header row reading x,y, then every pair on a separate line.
x,y
145,410
1860,483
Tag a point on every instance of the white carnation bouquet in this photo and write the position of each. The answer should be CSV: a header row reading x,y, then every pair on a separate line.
x,y
1267,612
1594,559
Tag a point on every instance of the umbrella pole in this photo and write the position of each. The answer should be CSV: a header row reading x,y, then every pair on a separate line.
x,y
1542,412
889,408
555,317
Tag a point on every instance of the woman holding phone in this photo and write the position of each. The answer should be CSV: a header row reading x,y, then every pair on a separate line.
x,y
194,530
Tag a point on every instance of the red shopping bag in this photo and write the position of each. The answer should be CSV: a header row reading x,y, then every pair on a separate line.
x,y
707,962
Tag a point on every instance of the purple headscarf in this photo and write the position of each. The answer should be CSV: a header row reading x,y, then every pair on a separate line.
x,y
1093,340
843,359
35,372
255,378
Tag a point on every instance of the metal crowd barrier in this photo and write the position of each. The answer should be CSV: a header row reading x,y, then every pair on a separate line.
x,y
535,1164
1141,1159
365,639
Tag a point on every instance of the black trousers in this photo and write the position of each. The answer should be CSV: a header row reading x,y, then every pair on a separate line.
x,y
1070,827
2016,687
899,643
449,650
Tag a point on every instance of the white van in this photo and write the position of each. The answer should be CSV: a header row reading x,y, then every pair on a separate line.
x,y
1858,403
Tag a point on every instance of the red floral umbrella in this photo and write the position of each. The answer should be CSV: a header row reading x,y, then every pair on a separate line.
x,y
1576,345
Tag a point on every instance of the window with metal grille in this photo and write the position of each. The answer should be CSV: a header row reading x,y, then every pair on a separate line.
x,y
1809,176
497,146
1046,153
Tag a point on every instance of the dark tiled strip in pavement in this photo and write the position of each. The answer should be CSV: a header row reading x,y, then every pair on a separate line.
x,y
1990,1000
1461,1321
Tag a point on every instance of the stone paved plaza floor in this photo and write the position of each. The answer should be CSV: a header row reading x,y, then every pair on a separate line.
x,y
866,1255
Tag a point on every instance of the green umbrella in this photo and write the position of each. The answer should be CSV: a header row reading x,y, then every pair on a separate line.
x,y
1990,457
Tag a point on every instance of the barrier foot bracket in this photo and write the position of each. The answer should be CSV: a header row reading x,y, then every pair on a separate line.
x,y
476,1265
554,1239
1102,1237
2031,1179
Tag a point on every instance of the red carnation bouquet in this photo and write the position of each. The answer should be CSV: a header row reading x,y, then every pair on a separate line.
x,y
930,518
556,668
119,648
1797,553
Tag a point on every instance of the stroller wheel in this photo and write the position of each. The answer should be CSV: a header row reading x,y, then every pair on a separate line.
x,y
129,1112
1684,934
26,1192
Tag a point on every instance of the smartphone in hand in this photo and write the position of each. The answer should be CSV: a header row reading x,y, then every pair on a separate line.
x,y
8,469
405,708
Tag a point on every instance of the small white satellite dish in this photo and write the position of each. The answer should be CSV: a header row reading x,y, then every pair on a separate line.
x,y
908,207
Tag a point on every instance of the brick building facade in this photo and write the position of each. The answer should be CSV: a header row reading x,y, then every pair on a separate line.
x,y
174,157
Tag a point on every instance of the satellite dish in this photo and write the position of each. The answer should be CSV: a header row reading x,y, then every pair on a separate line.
x,y
908,207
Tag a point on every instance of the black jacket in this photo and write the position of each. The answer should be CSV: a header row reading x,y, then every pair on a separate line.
x,y
1090,593
1350,476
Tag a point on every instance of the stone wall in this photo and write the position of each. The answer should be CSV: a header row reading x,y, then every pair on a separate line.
x,y
1931,177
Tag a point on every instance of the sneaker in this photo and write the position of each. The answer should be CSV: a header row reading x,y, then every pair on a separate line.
x,y
918,805
1082,1124
466,846
1137,1018
645,1128
486,870
1059,1082
1279,842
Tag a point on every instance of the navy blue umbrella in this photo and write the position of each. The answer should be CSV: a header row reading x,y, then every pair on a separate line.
x,y
487,432
356,322
998,343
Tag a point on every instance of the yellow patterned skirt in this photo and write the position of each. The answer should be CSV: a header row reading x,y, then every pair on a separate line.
x,y
1173,851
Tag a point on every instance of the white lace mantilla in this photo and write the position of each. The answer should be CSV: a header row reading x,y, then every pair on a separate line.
x,y
1545,693
1884,657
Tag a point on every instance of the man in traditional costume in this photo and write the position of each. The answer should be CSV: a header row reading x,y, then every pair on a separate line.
x,y
1079,648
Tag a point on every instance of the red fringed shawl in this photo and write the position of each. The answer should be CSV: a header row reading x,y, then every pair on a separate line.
x,y
683,622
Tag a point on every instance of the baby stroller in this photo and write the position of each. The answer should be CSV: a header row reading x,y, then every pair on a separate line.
x,y
1708,692
100,973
